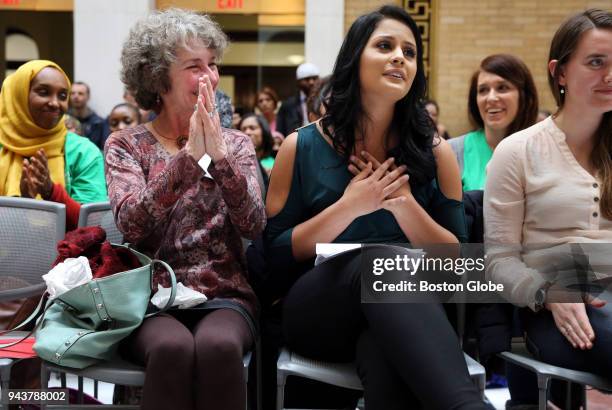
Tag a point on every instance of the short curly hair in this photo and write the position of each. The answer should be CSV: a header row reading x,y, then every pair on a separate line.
x,y
151,48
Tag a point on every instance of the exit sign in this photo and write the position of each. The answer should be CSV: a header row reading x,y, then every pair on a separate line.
x,y
230,4
275,7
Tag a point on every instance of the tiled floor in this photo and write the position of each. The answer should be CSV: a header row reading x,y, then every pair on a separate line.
x,y
498,397
595,399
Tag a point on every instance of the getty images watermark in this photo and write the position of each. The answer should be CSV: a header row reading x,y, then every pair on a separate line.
x,y
457,273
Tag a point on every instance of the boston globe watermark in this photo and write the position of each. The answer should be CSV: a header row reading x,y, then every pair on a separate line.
x,y
437,273
457,274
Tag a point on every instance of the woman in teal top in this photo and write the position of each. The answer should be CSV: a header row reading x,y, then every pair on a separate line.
x,y
320,177
502,100
337,181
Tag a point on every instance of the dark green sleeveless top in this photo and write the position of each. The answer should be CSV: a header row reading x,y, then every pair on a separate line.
x,y
320,176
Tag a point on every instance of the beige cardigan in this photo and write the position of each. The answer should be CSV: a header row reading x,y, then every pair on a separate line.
x,y
537,200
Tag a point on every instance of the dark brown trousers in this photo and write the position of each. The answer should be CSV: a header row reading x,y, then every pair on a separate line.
x,y
193,359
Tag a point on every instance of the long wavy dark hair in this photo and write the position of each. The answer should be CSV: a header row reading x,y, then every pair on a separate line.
x,y
345,113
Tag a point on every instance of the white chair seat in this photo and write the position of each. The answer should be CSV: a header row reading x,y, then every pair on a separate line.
x,y
341,374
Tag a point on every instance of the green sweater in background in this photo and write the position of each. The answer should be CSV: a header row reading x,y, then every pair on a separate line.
x,y
267,163
84,170
84,173
473,154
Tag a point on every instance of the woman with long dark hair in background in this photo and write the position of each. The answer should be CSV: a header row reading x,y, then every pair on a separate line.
x,y
502,100
256,127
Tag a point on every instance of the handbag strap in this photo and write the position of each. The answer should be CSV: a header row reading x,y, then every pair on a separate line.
x,y
40,310
172,289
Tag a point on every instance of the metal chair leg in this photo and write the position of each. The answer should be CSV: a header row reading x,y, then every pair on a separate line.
x,y
280,392
482,383
6,365
258,375
44,382
5,387
80,394
542,391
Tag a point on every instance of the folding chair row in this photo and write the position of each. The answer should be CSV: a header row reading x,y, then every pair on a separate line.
x,y
119,372
545,372
100,214
29,232
341,374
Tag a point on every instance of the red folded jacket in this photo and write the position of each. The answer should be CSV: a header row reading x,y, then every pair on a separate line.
x,y
90,242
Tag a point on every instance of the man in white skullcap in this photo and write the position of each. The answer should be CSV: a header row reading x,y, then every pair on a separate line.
x,y
293,113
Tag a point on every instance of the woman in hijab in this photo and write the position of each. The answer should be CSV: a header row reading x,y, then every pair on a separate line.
x,y
39,157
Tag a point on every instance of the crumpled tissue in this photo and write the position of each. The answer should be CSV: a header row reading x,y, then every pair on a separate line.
x,y
66,275
185,297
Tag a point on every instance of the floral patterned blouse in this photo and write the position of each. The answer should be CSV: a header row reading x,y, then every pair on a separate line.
x,y
166,206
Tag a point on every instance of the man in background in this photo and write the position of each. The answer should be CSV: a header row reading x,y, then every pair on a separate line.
x,y
293,112
92,124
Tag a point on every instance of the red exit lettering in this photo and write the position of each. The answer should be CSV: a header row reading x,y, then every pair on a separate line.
x,y
228,4
10,2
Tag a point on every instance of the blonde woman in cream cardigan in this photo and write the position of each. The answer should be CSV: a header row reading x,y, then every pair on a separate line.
x,y
550,186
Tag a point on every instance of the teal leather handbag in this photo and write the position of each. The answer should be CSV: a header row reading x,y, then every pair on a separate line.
x,y
84,325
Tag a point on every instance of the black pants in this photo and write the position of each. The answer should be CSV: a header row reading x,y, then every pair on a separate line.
x,y
405,353
547,344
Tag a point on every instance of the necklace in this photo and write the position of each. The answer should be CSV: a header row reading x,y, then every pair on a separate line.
x,y
181,140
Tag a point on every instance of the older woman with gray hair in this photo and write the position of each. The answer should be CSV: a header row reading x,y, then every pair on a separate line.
x,y
184,189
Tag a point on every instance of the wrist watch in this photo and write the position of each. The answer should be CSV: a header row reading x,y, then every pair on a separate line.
x,y
540,296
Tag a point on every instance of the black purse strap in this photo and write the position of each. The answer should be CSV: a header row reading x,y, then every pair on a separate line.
x,y
40,310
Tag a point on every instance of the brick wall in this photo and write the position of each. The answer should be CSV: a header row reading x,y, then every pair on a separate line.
x,y
355,8
466,31
469,30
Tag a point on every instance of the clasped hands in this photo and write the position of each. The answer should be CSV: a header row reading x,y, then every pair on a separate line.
x,y
205,135
376,186
35,177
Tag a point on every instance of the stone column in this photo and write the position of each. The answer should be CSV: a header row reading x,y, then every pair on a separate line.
x,y
100,27
324,32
